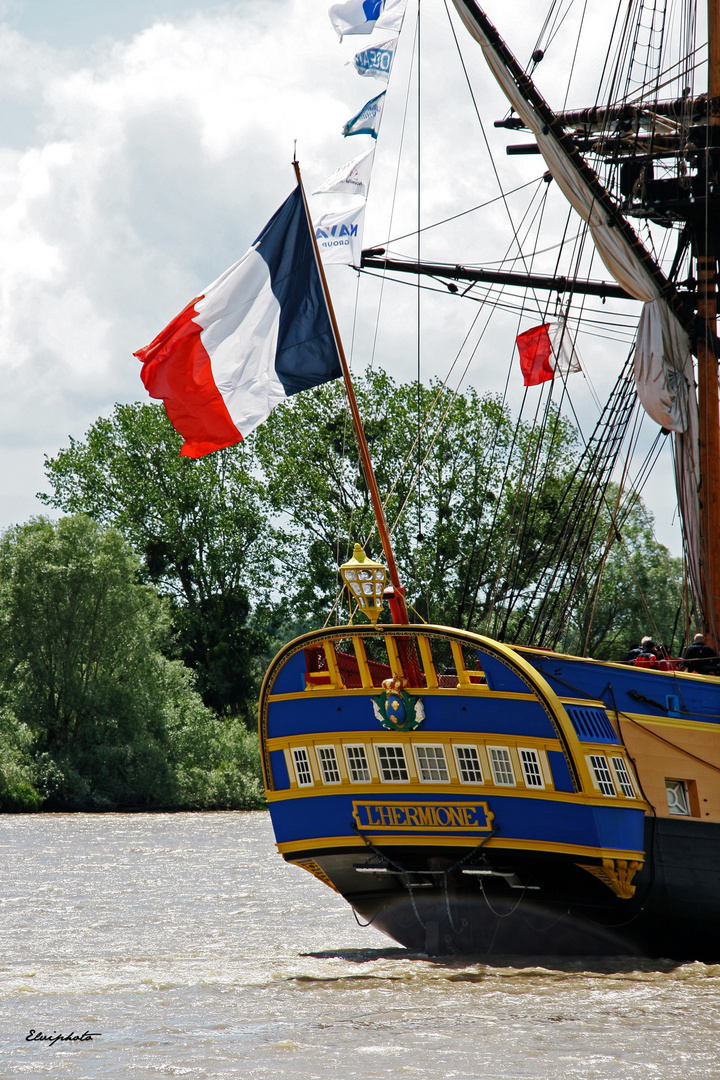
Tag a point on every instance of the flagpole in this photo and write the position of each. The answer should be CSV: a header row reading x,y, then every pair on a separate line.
x,y
398,607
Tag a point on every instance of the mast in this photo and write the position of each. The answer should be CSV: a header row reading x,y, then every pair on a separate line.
x,y
706,255
692,197
398,607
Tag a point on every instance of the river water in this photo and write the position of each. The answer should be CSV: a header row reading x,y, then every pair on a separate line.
x,y
193,950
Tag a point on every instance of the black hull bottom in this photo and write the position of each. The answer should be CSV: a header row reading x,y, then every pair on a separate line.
x,y
494,927
674,913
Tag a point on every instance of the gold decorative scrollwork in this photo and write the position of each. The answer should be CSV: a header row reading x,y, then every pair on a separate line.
x,y
317,871
617,874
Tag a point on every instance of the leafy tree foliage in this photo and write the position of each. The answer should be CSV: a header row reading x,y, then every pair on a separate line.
x,y
455,530
94,714
199,527
632,588
476,502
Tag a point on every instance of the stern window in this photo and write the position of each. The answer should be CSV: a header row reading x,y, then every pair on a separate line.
x,y
391,760
328,764
531,768
358,766
602,774
469,765
302,767
623,777
501,764
432,764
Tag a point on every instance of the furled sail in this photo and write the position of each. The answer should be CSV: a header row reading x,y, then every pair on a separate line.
x,y
663,361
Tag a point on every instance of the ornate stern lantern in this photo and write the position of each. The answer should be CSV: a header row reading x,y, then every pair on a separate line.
x,y
365,580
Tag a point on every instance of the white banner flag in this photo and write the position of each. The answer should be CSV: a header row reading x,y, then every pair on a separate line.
x,y
367,121
376,61
391,16
362,16
339,235
352,178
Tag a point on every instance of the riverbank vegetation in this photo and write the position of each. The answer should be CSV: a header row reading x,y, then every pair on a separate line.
x,y
95,713
134,631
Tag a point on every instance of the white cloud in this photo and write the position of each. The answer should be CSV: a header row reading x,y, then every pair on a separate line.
x,y
150,164
153,165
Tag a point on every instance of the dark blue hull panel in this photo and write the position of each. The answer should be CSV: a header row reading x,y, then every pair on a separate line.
x,y
516,819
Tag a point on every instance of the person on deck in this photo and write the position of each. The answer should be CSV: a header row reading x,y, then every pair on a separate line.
x,y
700,658
646,648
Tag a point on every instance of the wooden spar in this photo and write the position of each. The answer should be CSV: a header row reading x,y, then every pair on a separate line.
x,y
371,259
708,404
398,607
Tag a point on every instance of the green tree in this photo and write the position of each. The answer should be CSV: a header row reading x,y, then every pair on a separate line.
x,y
200,529
455,532
478,508
632,587
19,774
97,715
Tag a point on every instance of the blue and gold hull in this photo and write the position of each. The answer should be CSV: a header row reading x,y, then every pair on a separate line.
x,y
468,796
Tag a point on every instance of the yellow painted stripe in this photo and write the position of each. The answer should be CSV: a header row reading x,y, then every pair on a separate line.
x,y
473,689
396,790
421,737
576,850
669,722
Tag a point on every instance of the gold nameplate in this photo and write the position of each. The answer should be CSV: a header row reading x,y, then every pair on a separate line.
x,y
458,817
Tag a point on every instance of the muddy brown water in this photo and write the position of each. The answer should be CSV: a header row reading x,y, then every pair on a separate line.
x,y
193,950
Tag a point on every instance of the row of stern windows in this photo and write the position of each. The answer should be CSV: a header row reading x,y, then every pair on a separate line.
x,y
501,766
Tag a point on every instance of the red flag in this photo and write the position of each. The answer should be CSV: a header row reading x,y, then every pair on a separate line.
x,y
536,355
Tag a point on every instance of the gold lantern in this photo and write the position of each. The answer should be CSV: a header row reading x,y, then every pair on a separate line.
x,y
365,580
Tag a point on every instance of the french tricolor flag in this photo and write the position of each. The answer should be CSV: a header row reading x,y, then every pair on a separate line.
x,y
259,334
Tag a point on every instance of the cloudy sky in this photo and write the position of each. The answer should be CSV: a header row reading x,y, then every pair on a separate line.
x,y
144,143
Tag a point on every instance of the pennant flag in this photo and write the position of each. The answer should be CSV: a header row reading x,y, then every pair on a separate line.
x,y
546,352
362,16
352,178
260,333
339,235
367,121
391,16
376,61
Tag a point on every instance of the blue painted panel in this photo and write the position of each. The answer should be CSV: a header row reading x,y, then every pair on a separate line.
x,y
560,772
486,714
500,677
309,715
617,685
291,677
278,768
311,817
618,828
516,818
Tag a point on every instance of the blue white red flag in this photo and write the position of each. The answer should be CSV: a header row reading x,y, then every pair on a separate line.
x,y
259,334
363,16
